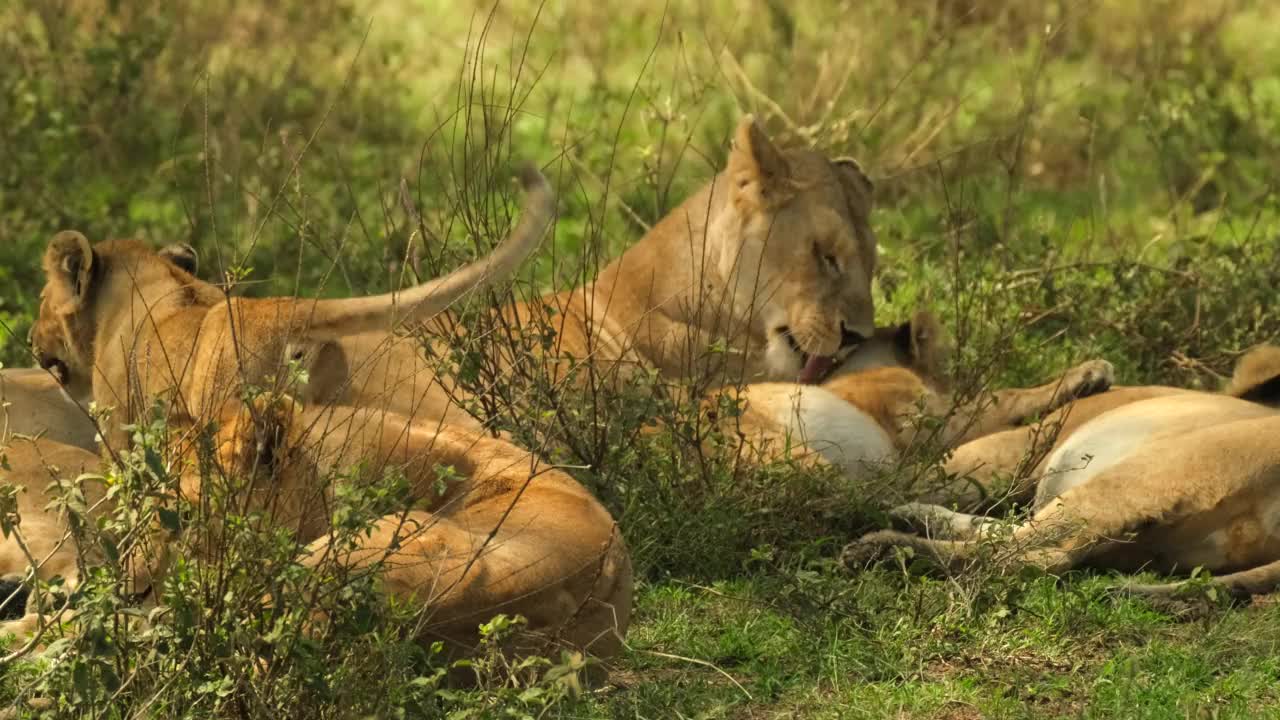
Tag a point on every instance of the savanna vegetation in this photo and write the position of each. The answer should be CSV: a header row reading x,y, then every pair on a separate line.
x,y
1058,181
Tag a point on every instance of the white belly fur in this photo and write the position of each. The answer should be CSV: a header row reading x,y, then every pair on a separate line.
x,y
1091,449
844,435
1116,434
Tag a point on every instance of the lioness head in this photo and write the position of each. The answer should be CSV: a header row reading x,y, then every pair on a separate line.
x,y
78,285
802,252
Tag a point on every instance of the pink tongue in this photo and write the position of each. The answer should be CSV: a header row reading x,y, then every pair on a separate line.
x,y
815,369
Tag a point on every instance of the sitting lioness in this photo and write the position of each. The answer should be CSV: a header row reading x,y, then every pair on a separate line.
x,y
493,529
871,408
1168,483
125,325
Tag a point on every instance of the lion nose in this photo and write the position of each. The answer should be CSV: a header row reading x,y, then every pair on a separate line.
x,y
850,338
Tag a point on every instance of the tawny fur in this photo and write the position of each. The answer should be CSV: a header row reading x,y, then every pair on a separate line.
x,y
1021,453
127,325
772,259
503,533
778,244
33,403
41,470
1155,479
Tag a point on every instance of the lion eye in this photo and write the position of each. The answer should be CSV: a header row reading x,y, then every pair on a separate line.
x,y
826,259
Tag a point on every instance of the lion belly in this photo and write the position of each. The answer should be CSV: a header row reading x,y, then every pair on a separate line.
x,y
1186,498
1118,434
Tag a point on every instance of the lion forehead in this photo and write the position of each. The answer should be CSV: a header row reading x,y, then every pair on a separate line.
x,y
802,230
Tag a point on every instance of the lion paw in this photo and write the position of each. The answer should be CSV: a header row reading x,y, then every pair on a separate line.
x,y
936,521
918,515
1087,378
864,551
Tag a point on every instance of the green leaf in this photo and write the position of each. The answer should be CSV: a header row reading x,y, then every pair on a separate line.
x,y
154,463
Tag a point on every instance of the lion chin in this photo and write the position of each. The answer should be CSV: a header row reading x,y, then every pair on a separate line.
x,y
785,359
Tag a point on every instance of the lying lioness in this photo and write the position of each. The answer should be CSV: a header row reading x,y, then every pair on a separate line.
x,y
493,529
870,410
498,531
124,325
772,259
34,403
1021,454
1169,483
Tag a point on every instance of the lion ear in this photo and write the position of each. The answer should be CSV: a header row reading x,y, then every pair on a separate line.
x,y
924,345
182,255
68,265
1257,376
758,170
329,370
858,194
858,188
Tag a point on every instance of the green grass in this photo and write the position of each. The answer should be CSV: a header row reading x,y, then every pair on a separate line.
x,y
908,648
1059,182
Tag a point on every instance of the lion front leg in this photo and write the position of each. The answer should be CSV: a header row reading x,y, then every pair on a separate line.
x,y
999,467
1011,408
1052,542
942,523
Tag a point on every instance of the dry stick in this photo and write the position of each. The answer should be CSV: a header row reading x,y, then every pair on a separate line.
x,y
40,622
589,303
436,515
386,346
257,233
758,95
41,625
943,118
614,533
